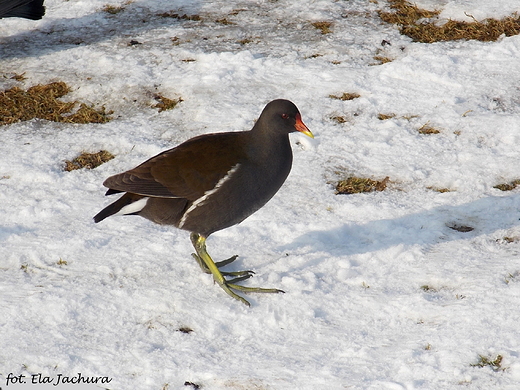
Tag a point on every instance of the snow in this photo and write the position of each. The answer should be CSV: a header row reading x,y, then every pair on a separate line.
x,y
380,292
470,10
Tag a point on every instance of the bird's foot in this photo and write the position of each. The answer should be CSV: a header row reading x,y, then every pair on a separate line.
x,y
221,264
207,265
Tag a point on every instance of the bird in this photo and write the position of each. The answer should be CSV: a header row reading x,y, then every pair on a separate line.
x,y
212,182
28,9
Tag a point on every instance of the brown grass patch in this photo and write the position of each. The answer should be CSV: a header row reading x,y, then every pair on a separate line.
x,y
384,117
508,240
408,17
224,21
245,41
405,14
427,129
339,119
165,103
41,102
355,185
237,11
382,60
174,15
345,96
112,9
442,190
88,160
508,186
19,77
324,27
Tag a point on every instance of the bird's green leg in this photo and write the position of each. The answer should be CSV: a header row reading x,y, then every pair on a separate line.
x,y
206,263
219,264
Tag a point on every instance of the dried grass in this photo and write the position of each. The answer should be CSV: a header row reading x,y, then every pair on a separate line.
x,y
88,160
355,185
442,190
345,96
224,21
508,186
19,77
166,103
112,9
41,101
382,60
427,129
384,117
413,22
339,119
175,15
484,361
324,27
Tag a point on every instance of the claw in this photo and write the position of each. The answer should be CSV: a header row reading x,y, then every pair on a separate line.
x,y
239,279
222,263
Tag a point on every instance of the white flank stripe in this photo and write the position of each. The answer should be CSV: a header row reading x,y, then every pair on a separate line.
x,y
133,207
207,194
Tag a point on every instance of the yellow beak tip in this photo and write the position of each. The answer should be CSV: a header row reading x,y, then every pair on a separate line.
x,y
308,133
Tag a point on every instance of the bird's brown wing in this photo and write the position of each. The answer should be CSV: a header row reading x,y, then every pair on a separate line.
x,y
187,171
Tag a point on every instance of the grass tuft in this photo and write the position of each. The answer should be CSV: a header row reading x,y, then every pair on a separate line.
x,y
508,186
414,22
245,41
484,361
166,103
427,129
88,160
384,117
40,101
405,13
112,9
429,289
339,119
382,60
511,276
224,21
19,77
174,15
355,185
442,190
324,27
345,96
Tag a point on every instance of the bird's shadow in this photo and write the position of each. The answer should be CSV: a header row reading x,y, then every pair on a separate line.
x,y
428,227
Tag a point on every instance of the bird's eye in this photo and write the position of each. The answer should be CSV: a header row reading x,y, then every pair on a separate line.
x,y
285,116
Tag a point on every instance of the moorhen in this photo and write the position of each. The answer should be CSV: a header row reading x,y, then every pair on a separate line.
x,y
212,182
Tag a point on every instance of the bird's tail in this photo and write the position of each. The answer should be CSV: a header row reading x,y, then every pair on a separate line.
x,y
117,206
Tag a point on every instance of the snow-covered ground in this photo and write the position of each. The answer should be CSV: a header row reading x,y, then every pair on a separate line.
x,y
381,292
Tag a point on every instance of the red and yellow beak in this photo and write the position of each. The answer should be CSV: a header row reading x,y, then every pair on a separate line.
x,y
300,126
